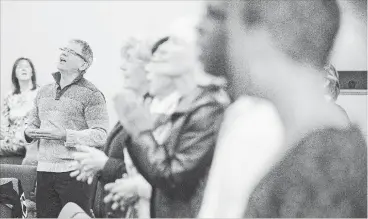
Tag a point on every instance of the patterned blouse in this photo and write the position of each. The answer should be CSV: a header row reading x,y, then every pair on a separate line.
x,y
15,110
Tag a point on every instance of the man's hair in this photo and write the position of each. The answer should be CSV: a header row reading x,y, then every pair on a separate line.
x,y
304,30
86,51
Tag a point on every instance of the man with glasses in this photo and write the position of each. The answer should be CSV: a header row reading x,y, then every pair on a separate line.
x,y
68,112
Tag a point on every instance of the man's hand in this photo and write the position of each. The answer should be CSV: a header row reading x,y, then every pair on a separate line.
x,y
55,133
30,133
90,161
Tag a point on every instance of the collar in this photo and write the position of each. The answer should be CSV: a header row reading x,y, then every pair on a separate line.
x,y
201,96
167,105
57,77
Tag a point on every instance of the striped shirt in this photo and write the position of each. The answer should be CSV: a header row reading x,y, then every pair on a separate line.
x,y
80,108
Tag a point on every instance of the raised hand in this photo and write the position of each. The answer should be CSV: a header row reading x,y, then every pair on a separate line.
x,y
133,115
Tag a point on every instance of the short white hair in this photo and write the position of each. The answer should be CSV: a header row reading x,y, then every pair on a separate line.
x,y
137,48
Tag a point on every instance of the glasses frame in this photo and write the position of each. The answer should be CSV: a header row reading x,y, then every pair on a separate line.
x,y
70,51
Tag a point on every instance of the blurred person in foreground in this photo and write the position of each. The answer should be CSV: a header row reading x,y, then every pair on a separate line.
x,y
16,107
115,163
69,112
316,165
172,142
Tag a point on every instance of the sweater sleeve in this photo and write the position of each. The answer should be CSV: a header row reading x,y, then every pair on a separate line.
x,y
97,120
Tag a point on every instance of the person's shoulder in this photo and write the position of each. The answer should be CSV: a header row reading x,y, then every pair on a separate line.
x,y
332,157
89,85
253,109
328,150
210,94
334,139
38,88
44,88
8,95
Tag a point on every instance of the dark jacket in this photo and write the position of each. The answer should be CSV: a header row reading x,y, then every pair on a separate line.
x,y
177,169
115,165
113,169
114,149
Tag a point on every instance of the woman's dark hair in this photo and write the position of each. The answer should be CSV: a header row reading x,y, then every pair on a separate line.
x,y
15,80
158,44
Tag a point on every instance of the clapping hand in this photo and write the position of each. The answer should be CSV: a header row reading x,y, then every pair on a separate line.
x,y
133,115
123,193
80,174
88,162
55,133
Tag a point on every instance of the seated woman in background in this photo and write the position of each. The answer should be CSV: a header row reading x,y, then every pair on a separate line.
x,y
115,162
16,107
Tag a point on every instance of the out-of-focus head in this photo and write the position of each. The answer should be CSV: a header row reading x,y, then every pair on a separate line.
x,y
173,57
135,54
299,33
170,61
332,84
178,53
77,55
212,38
23,70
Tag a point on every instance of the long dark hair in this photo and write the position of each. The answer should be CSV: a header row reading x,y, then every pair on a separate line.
x,y
15,80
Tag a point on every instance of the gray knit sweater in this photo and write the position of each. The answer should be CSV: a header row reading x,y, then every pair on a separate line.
x,y
80,108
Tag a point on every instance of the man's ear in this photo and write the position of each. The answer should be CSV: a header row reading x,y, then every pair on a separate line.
x,y
83,67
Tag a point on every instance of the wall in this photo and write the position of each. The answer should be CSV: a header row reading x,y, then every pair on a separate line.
x,y
350,54
37,29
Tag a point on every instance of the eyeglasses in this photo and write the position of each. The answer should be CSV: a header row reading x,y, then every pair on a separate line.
x,y
70,51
